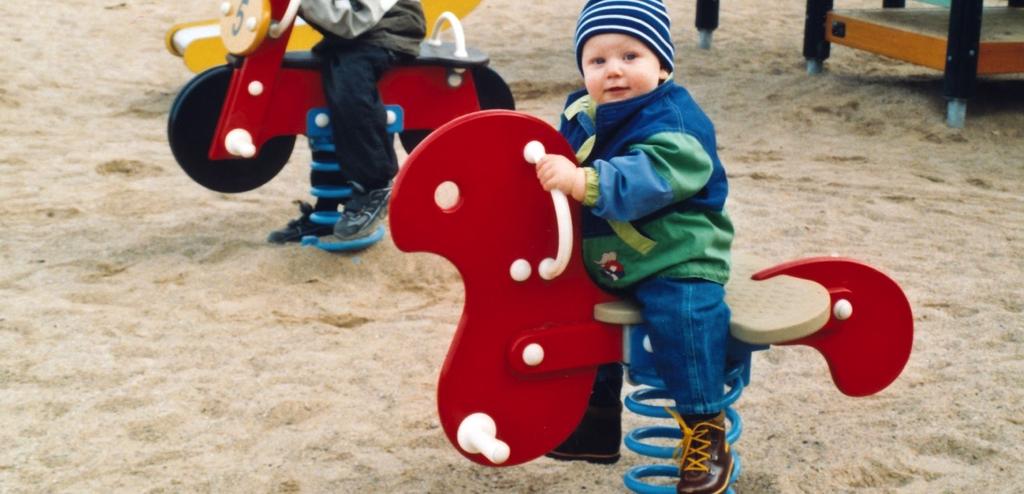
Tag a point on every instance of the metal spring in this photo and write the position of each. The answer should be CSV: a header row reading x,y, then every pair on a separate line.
x,y
641,372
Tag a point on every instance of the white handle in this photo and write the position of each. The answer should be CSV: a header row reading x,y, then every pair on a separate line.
x,y
550,268
478,434
277,28
460,37
238,142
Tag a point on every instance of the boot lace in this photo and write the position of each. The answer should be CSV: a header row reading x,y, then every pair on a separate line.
x,y
692,452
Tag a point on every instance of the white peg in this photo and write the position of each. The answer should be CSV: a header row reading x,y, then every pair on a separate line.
x,y
321,120
225,8
479,434
255,88
648,347
520,270
238,142
392,117
533,354
843,309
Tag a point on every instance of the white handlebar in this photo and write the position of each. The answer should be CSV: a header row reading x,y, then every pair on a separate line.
x,y
277,28
238,142
460,37
550,268
478,434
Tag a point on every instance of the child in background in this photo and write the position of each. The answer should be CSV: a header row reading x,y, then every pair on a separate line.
x,y
362,40
654,227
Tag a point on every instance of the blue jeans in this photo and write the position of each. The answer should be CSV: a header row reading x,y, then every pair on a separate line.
x,y
688,323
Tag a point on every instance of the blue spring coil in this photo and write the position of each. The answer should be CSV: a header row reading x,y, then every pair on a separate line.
x,y
321,143
640,367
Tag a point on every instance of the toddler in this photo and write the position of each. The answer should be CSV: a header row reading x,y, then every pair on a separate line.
x,y
654,227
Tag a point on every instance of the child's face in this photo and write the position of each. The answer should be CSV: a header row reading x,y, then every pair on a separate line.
x,y
617,67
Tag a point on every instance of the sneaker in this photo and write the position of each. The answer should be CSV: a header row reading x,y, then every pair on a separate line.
x,y
362,213
596,439
299,227
705,463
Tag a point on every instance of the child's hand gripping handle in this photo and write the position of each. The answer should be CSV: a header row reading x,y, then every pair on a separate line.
x,y
550,268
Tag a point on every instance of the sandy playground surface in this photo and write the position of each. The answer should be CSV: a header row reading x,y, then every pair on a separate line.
x,y
150,341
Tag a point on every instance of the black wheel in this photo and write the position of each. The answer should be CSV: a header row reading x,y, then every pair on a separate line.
x,y
491,92
412,138
190,128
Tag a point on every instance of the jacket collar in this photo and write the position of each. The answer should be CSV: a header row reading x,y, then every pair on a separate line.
x,y
601,119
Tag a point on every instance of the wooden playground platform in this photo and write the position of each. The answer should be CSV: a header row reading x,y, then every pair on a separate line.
x,y
919,36
964,41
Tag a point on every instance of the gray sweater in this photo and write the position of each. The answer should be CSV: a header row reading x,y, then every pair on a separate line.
x,y
397,25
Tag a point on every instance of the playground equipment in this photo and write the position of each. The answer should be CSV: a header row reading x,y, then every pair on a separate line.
x,y
706,21
200,46
964,41
232,128
534,327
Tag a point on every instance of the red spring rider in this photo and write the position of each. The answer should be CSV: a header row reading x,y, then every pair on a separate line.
x,y
535,328
232,128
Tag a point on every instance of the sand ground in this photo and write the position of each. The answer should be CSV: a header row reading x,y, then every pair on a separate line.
x,y
151,341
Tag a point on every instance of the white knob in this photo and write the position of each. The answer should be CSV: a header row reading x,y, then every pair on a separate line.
x,y
478,434
238,142
647,344
255,88
533,152
250,23
225,8
392,118
520,270
322,120
843,309
533,354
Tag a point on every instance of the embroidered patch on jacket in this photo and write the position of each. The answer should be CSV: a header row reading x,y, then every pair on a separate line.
x,y
611,267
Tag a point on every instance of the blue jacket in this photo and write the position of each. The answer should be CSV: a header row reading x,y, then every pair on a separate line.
x,y
656,190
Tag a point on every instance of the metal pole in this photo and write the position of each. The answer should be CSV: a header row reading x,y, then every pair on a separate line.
x,y
962,57
816,49
707,21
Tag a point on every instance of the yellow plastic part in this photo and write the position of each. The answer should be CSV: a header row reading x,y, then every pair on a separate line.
x,y
203,47
245,25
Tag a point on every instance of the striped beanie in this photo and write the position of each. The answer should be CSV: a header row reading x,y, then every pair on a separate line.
x,y
645,20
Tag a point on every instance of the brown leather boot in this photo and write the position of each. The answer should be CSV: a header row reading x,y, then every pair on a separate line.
x,y
705,463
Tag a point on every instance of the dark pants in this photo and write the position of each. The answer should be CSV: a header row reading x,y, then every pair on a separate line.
x,y
350,73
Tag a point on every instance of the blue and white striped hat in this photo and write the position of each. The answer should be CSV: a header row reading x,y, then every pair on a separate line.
x,y
645,20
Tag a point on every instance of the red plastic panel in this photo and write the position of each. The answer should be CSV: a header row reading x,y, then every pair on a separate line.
x,y
425,96
502,215
866,352
287,95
